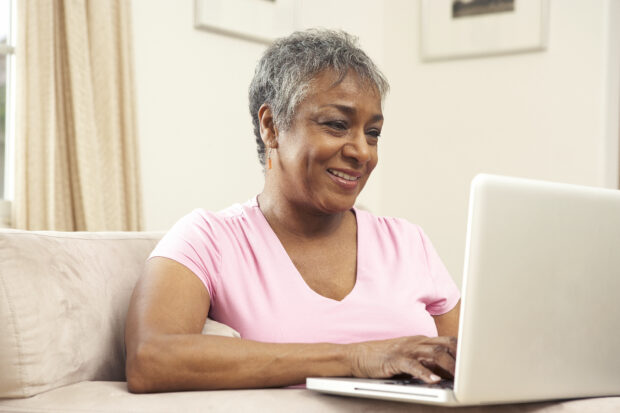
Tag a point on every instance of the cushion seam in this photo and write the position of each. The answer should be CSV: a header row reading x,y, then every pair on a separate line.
x,y
146,237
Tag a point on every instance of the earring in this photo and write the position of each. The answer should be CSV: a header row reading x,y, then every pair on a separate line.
x,y
269,158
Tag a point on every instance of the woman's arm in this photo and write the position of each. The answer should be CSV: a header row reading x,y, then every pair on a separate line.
x,y
448,323
166,352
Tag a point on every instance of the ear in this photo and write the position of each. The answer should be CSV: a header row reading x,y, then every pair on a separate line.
x,y
268,130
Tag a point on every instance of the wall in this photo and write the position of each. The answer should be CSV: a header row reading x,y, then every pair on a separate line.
x,y
196,142
546,115
550,115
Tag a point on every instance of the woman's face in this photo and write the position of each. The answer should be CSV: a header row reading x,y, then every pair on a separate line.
x,y
327,154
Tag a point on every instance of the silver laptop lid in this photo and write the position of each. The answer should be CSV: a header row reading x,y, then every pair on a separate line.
x,y
540,316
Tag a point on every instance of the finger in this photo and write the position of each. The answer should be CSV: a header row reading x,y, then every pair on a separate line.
x,y
449,342
453,345
444,359
418,371
437,357
439,369
443,344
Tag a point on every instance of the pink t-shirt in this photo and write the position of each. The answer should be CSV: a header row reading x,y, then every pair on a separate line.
x,y
256,289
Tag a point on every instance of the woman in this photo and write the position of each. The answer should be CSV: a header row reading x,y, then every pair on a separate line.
x,y
314,286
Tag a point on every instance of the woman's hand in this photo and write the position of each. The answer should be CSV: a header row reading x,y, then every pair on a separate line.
x,y
425,358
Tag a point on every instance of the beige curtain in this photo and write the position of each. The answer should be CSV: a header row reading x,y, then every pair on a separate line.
x,y
76,145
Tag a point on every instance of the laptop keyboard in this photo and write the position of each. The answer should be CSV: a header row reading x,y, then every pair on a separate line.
x,y
443,384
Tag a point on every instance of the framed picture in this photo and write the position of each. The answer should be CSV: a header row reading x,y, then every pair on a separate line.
x,y
452,29
256,20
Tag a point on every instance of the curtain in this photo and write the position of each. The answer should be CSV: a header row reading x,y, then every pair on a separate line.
x,y
76,139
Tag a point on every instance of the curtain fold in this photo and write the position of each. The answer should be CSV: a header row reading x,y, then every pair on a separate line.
x,y
76,147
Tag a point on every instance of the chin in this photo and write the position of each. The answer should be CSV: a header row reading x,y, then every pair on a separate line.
x,y
335,205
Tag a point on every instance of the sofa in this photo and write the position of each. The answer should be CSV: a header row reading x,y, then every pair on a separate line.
x,y
63,301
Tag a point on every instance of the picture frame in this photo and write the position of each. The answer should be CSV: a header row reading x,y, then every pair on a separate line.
x,y
255,20
487,27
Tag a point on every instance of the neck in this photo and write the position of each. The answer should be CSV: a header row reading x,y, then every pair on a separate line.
x,y
296,219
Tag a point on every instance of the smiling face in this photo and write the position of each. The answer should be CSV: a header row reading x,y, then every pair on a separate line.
x,y
326,156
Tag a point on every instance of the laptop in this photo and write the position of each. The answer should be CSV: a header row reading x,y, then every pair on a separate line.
x,y
540,310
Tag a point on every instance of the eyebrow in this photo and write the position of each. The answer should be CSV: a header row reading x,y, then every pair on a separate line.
x,y
351,111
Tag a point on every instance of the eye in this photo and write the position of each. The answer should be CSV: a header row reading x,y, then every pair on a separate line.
x,y
375,133
336,124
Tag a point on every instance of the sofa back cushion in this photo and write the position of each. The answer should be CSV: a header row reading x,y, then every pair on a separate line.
x,y
63,302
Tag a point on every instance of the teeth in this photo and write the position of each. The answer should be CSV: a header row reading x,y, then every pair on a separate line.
x,y
343,175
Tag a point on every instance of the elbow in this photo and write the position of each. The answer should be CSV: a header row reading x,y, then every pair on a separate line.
x,y
140,368
136,383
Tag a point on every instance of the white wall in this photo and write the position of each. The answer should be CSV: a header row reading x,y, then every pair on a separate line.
x,y
196,140
549,115
539,115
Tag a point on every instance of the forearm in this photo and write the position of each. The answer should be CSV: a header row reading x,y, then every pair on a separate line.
x,y
201,362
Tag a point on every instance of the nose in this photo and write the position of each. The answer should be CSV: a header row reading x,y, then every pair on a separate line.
x,y
358,148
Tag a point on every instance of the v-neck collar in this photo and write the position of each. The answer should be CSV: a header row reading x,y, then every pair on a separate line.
x,y
293,269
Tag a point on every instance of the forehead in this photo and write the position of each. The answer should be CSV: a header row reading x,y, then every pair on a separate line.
x,y
328,85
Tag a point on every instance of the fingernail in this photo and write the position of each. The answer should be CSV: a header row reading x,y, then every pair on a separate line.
x,y
435,377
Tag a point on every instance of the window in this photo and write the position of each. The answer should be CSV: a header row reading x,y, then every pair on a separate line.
x,y
7,105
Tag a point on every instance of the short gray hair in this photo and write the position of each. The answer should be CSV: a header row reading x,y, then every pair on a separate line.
x,y
283,74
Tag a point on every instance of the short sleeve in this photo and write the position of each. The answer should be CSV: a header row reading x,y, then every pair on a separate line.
x,y
192,242
446,294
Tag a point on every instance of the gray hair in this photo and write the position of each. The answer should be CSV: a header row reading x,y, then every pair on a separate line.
x,y
283,75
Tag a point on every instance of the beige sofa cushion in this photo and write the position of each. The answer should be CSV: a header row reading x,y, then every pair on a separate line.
x,y
63,302
113,397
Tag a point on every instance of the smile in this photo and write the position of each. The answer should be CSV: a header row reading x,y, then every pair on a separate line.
x,y
342,175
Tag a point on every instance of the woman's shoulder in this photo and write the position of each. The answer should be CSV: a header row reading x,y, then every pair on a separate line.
x,y
387,224
235,212
204,226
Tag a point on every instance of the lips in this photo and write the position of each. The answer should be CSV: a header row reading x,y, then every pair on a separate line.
x,y
344,175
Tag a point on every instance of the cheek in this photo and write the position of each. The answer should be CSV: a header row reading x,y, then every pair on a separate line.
x,y
293,151
374,160
321,152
